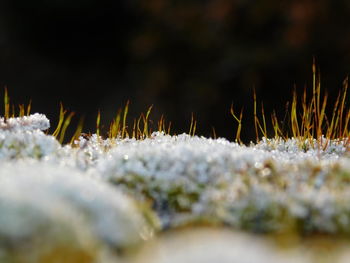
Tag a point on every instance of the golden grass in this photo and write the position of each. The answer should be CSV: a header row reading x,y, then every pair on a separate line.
x,y
305,117
10,110
193,126
239,120
63,123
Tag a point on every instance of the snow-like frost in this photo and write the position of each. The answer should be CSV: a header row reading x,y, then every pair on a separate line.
x,y
23,137
22,144
35,196
268,186
256,187
32,122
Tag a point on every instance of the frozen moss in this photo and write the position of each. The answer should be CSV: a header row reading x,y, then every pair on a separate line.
x,y
52,206
270,187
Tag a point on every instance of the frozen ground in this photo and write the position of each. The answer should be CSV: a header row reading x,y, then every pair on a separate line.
x,y
99,200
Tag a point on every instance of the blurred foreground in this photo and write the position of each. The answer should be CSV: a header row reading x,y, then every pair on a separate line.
x,y
211,245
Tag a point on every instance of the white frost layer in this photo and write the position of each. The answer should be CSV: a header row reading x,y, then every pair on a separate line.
x,y
23,137
28,186
32,122
174,158
248,187
21,144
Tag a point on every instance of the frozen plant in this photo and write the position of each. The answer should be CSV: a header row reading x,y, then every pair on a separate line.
x,y
247,187
23,137
22,144
66,205
32,122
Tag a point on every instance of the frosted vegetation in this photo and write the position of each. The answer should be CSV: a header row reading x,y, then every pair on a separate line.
x,y
98,199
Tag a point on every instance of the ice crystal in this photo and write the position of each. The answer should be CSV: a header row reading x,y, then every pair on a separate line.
x,y
66,205
20,144
23,137
254,187
272,186
32,122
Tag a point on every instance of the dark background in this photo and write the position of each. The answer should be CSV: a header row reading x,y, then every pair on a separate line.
x,y
182,56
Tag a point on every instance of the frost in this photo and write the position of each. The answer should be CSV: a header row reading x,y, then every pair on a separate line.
x,y
32,122
256,188
22,144
68,206
23,137
272,186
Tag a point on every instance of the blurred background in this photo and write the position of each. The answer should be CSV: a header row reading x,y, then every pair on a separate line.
x,y
182,56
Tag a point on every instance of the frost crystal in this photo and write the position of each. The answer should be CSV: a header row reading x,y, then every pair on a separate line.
x,y
272,186
257,188
22,137
112,216
49,211
32,122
